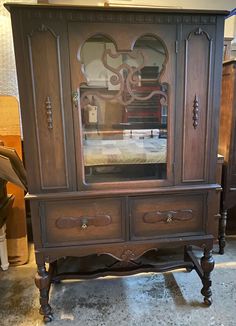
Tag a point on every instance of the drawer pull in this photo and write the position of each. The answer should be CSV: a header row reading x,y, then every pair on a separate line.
x,y
84,224
82,221
167,216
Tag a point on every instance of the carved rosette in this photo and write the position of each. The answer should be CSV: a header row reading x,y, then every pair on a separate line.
x,y
127,255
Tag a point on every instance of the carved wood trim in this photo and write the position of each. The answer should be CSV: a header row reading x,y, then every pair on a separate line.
x,y
199,31
83,221
125,253
128,253
97,16
48,106
195,112
167,216
195,33
126,85
44,29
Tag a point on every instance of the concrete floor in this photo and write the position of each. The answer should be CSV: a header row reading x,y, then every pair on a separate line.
x,y
145,300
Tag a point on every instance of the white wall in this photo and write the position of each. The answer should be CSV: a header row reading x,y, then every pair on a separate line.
x,y
197,4
8,80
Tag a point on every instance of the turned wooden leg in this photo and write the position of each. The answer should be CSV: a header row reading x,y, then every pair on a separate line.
x,y
207,264
42,282
222,227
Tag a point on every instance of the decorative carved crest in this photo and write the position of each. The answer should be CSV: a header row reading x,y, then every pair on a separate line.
x,y
127,78
128,255
199,32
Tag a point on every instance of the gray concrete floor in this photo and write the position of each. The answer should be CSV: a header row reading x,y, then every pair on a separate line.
x,y
171,298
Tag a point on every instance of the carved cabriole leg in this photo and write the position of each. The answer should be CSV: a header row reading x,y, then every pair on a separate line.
x,y
42,282
207,264
222,227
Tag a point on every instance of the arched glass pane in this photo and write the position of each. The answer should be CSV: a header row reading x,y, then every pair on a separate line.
x,y
124,109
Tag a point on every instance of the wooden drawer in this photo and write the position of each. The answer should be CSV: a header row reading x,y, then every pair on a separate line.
x,y
166,215
82,221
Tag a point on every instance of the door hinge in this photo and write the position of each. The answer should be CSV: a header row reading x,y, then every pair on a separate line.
x,y
176,46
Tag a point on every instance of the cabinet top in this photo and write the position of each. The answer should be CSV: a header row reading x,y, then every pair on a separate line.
x,y
150,9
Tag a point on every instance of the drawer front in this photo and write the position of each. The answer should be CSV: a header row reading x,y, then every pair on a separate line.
x,y
77,222
166,215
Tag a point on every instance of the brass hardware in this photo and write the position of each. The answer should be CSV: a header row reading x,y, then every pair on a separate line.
x,y
169,218
75,98
84,224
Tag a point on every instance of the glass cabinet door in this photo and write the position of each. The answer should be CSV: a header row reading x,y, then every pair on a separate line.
x,y
124,110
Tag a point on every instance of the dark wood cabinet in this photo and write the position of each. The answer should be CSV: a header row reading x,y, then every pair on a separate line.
x,y
227,144
101,183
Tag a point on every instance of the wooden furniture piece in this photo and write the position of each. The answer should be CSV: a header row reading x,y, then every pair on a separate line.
x,y
10,134
70,59
227,144
227,48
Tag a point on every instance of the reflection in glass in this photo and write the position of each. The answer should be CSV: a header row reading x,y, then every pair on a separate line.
x,y
124,110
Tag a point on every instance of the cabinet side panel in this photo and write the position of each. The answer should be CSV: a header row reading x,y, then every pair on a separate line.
x,y
226,113
45,68
232,107
198,52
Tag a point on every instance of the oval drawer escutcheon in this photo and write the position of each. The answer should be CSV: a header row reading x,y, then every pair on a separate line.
x,y
168,216
83,221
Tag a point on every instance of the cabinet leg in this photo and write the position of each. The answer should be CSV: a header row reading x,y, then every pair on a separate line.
x,y
42,282
222,227
207,264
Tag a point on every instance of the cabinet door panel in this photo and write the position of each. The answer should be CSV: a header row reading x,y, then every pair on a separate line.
x,y
45,68
124,103
197,65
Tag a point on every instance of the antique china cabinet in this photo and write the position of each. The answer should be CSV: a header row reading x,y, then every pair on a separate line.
x,y
120,112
